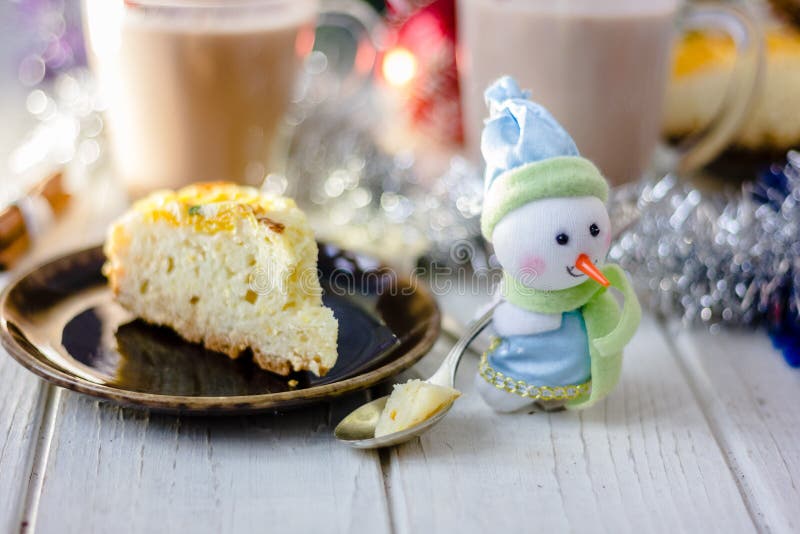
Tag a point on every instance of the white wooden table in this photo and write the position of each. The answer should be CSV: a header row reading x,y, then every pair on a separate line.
x,y
702,435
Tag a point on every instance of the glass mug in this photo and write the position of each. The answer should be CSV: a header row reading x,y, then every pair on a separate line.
x,y
195,90
601,68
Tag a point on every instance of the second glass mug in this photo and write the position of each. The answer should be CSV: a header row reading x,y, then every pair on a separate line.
x,y
601,68
195,90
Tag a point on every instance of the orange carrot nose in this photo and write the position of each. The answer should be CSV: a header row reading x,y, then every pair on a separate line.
x,y
590,269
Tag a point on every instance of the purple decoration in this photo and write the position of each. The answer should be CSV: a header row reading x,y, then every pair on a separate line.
x,y
56,38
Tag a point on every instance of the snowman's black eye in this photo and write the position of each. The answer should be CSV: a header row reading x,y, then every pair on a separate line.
x,y
594,230
562,239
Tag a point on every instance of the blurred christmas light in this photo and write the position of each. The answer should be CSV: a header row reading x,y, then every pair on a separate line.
x,y
429,102
399,66
304,42
55,42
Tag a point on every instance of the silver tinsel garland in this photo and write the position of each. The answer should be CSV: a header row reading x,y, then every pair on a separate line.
x,y
68,133
365,195
717,255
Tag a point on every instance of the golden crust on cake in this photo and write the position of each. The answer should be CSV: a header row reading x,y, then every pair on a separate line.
x,y
228,267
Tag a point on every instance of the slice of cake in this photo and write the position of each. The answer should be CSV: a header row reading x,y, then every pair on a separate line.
x,y
412,403
228,267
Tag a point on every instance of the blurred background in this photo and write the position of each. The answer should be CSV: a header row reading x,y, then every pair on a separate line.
x,y
369,113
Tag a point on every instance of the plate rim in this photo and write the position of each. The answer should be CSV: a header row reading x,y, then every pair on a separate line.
x,y
209,405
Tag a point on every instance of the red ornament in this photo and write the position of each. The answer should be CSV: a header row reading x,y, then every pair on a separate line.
x,y
431,97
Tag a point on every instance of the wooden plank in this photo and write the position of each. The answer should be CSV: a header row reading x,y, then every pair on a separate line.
x,y
644,460
19,426
120,470
751,398
19,390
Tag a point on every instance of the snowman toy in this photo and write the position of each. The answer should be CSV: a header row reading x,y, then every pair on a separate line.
x,y
560,332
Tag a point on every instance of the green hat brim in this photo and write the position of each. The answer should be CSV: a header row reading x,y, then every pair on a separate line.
x,y
564,176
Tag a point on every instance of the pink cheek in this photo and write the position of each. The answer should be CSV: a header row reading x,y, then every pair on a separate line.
x,y
607,239
533,265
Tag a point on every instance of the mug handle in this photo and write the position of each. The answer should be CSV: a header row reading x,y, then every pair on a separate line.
x,y
366,28
702,146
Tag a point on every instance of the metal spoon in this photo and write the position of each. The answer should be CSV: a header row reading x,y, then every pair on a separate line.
x,y
358,428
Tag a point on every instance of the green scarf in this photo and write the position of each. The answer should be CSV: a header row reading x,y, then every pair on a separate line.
x,y
608,328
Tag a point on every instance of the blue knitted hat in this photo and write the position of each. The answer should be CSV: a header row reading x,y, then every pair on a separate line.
x,y
529,156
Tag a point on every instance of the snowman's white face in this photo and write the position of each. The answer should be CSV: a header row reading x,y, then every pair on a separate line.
x,y
538,243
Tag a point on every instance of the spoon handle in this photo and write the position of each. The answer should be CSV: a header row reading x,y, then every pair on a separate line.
x,y
445,375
